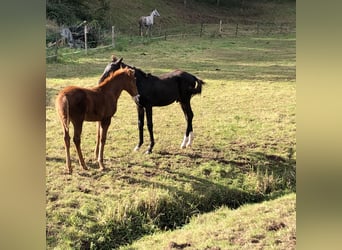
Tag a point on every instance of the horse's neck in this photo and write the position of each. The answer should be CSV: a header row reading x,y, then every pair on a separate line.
x,y
151,18
111,89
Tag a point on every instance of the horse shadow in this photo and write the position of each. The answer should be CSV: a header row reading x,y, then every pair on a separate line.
x,y
204,194
275,174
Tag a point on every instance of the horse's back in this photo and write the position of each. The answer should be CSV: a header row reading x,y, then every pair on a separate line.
x,y
188,84
76,99
180,77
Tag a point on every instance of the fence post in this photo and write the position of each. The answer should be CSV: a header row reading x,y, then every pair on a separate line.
x,y
220,27
236,30
201,33
113,36
85,39
56,49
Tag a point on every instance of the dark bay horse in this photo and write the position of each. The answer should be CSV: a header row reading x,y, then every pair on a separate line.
x,y
76,105
147,22
154,91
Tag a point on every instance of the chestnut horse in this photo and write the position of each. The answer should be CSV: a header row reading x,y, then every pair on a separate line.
x,y
76,105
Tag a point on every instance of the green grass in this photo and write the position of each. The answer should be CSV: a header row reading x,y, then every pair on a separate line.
x,y
269,225
244,149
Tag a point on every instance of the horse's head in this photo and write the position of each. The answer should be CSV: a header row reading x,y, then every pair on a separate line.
x,y
111,67
114,65
131,87
155,12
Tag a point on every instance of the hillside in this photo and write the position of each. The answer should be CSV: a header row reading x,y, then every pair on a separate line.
x,y
174,13
124,15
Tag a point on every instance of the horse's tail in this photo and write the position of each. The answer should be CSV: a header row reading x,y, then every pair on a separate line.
x,y
198,87
62,107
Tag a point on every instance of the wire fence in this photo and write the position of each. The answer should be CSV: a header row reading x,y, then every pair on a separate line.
x,y
118,38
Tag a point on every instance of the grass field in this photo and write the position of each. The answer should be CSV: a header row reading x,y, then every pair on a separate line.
x,y
244,149
268,225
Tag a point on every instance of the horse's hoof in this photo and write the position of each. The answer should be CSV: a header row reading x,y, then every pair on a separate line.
x,y
148,152
185,142
69,170
191,138
136,148
101,166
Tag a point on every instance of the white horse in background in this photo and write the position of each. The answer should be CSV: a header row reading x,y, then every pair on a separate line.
x,y
147,22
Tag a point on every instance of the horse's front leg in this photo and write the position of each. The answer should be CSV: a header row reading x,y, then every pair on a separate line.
x,y
147,31
141,114
103,135
96,151
189,136
150,128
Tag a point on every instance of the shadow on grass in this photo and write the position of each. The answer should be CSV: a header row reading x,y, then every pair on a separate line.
x,y
205,195
174,208
263,164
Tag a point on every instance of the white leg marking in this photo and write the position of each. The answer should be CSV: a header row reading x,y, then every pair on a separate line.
x,y
191,139
185,141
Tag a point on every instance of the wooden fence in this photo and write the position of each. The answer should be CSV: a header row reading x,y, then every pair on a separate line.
x,y
108,39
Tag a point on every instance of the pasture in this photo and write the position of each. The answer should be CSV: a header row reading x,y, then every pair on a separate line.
x,y
244,149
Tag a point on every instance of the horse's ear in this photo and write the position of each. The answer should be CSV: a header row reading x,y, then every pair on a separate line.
x,y
119,61
114,58
131,71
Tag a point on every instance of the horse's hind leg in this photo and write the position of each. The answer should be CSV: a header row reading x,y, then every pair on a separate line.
x,y
141,114
63,112
189,136
150,128
77,141
67,150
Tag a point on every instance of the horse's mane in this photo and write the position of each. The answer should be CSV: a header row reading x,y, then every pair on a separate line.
x,y
143,73
138,70
112,74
